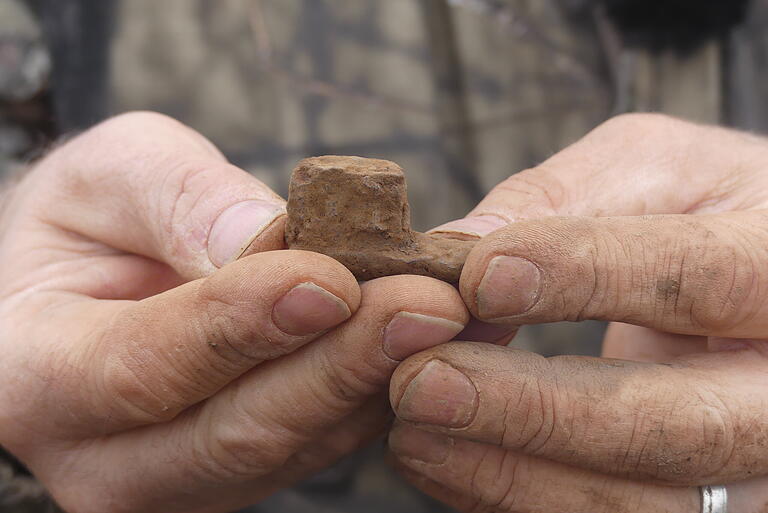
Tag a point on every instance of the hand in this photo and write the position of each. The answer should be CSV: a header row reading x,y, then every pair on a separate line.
x,y
681,265
148,367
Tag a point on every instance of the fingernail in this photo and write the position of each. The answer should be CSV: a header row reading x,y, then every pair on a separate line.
x,y
479,331
439,395
236,228
415,444
511,286
475,227
408,333
307,308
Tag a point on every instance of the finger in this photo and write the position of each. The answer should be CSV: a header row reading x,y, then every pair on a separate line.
x,y
628,342
695,421
151,359
333,376
500,480
749,496
479,331
452,498
146,184
253,426
356,431
202,492
633,164
695,275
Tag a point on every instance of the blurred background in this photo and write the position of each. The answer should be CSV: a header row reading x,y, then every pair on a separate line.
x,y
460,93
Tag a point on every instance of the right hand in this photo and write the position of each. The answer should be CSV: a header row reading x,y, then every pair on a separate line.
x,y
147,367
655,224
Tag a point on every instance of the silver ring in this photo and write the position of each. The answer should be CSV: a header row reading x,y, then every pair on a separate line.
x,y
714,499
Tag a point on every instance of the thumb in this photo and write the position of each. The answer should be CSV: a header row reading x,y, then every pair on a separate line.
x,y
146,184
686,274
634,164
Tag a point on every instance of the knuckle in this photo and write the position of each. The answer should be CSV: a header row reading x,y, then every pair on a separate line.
x,y
650,137
181,190
716,440
634,123
126,383
499,480
539,186
240,342
720,290
141,385
712,437
694,439
588,275
531,416
232,329
345,383
119,129
600,252
180,201
710,280
243,447
140,118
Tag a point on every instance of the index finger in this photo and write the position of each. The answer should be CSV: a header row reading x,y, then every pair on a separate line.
x,y
694,275
695,421
633,164
145,184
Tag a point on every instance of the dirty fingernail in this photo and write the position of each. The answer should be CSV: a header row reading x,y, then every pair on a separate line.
x,y
415,444
408,333
469,228
236,228
308,308
479,331
439,395
511,286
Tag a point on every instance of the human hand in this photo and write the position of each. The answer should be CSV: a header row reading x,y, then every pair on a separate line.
x,y
679,399
137,375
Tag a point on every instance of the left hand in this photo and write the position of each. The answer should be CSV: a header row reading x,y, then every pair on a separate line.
x,y
142,372
487,428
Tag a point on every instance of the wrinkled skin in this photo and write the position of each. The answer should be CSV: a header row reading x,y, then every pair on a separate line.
x,y
653,223
148,366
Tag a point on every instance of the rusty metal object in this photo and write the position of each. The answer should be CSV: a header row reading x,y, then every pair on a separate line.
x,y
356,210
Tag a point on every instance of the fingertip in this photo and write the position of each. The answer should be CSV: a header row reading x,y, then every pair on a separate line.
x,y
408,333
271,239
499,282
416,313
302,293
470,228
308,308
404,374
472,273
245,227
331,275
479,331
317,293
439,395
434,297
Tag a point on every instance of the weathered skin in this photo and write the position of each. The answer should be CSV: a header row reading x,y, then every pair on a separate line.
x,y
356,210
